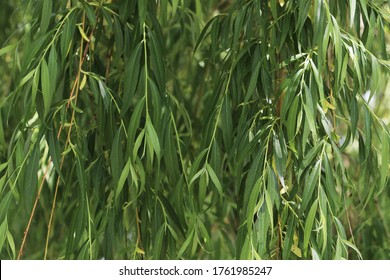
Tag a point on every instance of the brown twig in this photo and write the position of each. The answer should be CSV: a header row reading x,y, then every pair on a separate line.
x,y
73,95
33,211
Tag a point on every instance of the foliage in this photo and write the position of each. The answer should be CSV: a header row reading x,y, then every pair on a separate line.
x,y
195,130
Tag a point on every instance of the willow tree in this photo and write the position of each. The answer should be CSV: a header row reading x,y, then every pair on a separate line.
x,y
195,130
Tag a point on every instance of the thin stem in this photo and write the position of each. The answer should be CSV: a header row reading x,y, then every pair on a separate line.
x,y
33,211
73,95
146,69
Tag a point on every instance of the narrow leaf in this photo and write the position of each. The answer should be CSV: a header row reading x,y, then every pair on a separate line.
x,y
7,49
45,16
352,10
311,182
85,37
152,136
3,232
46,84
214,179
122,179
385,159
309,226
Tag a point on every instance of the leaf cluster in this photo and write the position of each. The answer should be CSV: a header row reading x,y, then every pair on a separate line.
x,y
196,130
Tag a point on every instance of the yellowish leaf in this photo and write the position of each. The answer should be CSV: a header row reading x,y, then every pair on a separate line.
x,y
140,251
85,37
83,82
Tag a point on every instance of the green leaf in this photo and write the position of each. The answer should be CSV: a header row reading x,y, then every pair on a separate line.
x,y
330,186
11,243
157,58
363,5
270,206
118,36
172,214
67,35
253,203
273,187
367,131
122,180
90,13
26,78
3,233
311,155
318,78
34,86
215,180
246,249
46,86
78,225
343,70
81,179
158,242
197,174
339,249
315,254
303,10
132,72
142,9
238,25
138,143
357,72
253,81
3,165
352,246
53,68
375,74
273,9
354,113
203,233
152,137
30,184
292,120
352,10
7,49
289,238
340,228
309,225
280,155
4,205
2,140
311,182
170,155
134,123
203,185
55,151
337,43
204,33
384,171
116,156
186,244
103,93
319,21
46,15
